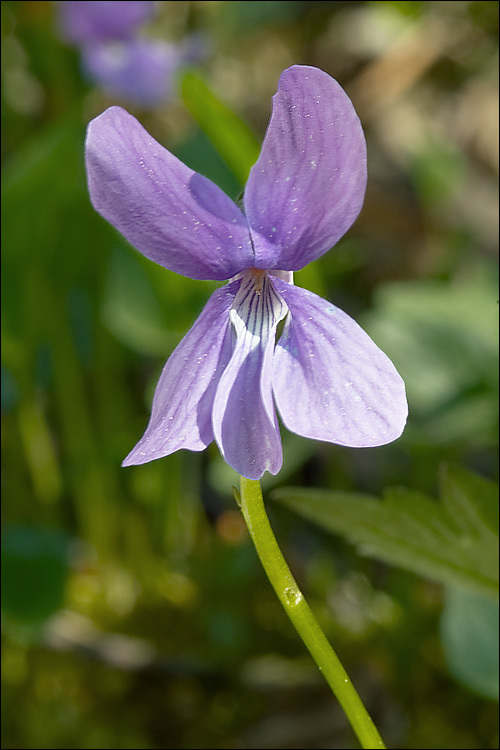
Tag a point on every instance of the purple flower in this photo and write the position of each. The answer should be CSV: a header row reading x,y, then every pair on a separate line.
x,y
141,70
85,23
327,378
135,69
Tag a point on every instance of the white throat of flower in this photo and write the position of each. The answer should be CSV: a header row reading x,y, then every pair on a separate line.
x,y
257,309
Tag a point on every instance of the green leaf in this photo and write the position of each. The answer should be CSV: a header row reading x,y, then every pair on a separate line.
x,y
472,500
469,634
34,572
244,16
453,542
198,152
443,338
43,191
231,137
131,309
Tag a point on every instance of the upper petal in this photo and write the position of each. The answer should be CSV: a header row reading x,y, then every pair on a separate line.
x,y
182,406
308,184
174,216
331,382
244,419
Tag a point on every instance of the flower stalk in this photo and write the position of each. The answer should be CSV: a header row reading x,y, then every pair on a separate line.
x,y
297,609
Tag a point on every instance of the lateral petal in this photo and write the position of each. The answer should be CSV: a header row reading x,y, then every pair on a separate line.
x,y
308,184
182,406
244,419
330,380
174,216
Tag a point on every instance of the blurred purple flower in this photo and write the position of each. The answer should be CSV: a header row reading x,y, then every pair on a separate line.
x,y
85,23
136,69
141,70
327,378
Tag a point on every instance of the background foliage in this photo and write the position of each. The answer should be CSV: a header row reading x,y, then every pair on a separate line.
x,y
135,614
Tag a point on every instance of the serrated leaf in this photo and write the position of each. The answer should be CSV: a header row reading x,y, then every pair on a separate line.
x,y
451,542
443,338
471,500
232,138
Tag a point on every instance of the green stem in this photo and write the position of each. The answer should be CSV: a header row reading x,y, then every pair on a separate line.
x,y
298,611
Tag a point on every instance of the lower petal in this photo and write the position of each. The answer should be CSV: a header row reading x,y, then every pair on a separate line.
x,y
331,382
182,404
244,418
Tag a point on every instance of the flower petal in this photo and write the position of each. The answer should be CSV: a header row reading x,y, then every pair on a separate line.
x,y
182,405
308,184
174,216
331,382
244,419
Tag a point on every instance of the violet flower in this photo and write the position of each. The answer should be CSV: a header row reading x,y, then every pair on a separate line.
x,y
327,378
83,23
141,70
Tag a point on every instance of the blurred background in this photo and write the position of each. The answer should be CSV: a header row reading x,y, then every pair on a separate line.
x,y
135,613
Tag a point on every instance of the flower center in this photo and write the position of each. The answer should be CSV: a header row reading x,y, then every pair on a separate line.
x,y
257,275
